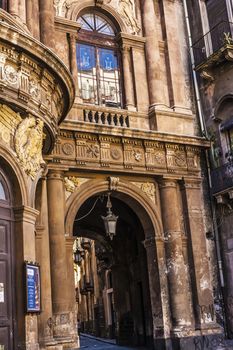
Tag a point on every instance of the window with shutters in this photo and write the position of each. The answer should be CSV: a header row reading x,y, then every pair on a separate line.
x,y
98,61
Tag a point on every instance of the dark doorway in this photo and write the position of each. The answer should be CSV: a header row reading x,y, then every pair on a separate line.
x,y
122,308
6,281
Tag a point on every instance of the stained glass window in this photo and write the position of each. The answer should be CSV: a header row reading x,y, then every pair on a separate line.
x,y
2,192
98,67
95,23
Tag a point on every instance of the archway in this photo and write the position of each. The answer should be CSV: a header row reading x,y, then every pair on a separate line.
x,y
124,305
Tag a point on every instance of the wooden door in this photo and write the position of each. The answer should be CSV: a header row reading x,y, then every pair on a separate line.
x,y
6,290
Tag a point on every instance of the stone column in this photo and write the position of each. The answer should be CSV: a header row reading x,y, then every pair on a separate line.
x,y
13,8
70,273
73,62
47,33
56,213
181,309
32,15
22,10
177,56
151,21
25,218
128,78
156,264
43,257
202,289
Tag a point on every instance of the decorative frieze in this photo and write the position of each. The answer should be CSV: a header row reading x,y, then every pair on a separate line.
x,y
123,153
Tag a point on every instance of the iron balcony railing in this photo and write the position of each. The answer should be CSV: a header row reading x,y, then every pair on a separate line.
x,y
222,178
211,42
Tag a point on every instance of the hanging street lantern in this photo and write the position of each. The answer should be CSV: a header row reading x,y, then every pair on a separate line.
x,y
110,220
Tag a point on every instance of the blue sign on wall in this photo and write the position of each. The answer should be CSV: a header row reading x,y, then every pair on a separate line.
x,y
33,287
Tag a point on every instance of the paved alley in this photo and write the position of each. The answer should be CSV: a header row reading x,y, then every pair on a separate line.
x,y
87,342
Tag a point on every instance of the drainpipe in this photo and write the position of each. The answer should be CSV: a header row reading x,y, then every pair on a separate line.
x,y
204,132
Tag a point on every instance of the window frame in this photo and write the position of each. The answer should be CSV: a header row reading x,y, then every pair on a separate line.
x,y
102,41
5,190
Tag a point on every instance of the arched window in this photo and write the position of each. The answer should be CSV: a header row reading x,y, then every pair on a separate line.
x,y
98,61
3,193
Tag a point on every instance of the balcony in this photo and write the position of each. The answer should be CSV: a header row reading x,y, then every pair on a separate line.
x,y
214,46
222,178
100,116
33,80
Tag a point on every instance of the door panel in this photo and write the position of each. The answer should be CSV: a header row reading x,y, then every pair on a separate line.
x,y
6,328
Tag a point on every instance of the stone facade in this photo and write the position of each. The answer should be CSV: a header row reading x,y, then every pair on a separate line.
x,y
60,155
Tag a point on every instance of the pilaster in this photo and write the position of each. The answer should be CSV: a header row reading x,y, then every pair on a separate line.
x,y
177,270
202,288
25,218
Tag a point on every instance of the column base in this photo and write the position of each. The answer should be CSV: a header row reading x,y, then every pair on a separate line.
x,y
203,342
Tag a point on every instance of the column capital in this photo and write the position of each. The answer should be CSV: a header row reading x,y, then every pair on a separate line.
x,y
55,175
26,214
70,241
187,183
167,182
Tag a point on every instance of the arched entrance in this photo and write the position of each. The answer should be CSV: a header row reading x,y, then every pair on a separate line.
x,y
126,267
7,297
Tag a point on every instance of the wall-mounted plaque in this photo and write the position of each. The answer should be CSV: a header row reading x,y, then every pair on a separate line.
x,y
32,273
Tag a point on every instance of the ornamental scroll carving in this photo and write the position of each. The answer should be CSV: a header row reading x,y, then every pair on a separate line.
x,y
25,137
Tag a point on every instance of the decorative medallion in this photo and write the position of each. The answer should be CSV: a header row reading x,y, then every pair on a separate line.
x,y
28,145
11,74
115,153
68,148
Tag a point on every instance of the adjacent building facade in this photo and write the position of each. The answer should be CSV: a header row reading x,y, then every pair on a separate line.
x,y
212,51
97,109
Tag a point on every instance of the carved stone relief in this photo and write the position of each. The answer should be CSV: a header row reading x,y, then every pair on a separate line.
x,y
148,188
28,145
123,153
72,183
126,9
25,137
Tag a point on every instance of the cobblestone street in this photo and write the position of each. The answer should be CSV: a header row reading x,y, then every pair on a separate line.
x,y
88,342
92,343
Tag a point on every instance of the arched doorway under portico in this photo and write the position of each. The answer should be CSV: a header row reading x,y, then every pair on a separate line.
x,y
133,260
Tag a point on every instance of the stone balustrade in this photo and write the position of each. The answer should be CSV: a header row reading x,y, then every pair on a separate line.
x,y
107,116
